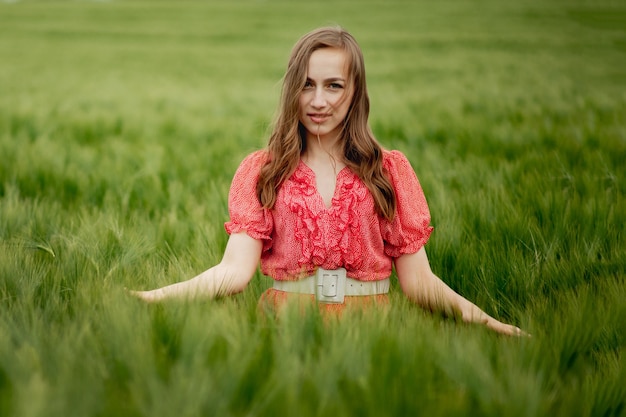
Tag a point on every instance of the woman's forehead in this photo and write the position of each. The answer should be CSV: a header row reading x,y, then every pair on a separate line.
x,y
328,63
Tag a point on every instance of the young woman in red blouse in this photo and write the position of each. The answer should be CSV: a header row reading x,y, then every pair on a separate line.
x,y
325,209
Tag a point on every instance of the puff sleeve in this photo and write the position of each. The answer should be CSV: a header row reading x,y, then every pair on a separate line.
x,y
410,228
245,210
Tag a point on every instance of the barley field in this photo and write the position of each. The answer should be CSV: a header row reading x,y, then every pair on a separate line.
x,y
122,123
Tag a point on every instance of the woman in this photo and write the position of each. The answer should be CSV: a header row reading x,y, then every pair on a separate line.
x,y
324,208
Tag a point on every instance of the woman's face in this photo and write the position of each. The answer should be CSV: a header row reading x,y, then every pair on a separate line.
x,y
326,96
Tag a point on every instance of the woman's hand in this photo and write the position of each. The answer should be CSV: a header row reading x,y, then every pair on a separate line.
x,y
151,296
506,329
473,314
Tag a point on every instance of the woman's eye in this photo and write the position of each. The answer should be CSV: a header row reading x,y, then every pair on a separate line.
x,y
336,86
308,84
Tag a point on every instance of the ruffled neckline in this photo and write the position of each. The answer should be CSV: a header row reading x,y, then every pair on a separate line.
x,y
309,177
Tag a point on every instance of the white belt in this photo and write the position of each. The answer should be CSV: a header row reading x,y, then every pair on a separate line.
x,y
332,285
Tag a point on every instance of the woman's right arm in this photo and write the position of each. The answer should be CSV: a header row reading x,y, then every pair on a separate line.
x,y
231,275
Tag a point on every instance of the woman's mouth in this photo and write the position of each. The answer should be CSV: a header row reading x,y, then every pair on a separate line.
x,y
318,118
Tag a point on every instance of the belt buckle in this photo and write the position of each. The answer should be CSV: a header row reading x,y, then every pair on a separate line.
x,y
330,285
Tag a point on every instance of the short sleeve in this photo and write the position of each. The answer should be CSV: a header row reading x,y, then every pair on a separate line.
x,y
245,210
410,229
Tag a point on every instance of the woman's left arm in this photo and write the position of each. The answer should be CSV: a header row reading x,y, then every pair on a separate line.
x,y
423,287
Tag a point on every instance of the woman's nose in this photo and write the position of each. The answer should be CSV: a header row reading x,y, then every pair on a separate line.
x,y
318,99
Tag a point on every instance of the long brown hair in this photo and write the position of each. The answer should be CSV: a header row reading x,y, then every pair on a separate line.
x,y
362,153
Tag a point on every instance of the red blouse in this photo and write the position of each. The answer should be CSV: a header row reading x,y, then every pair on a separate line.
x,y
301,234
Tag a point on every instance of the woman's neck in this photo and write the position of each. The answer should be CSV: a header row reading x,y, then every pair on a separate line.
x,y
322,149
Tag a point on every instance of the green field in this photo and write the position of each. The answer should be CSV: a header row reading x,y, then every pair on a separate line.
x,y
122,123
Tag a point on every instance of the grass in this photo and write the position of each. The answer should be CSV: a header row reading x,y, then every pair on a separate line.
x,y
122,123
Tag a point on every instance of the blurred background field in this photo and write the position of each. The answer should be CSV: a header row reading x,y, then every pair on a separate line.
x,y
122,123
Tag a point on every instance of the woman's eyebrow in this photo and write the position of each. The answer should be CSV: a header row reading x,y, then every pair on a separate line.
x,y
328,80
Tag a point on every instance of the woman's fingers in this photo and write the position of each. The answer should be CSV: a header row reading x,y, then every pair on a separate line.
x,y
147,296
506,329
